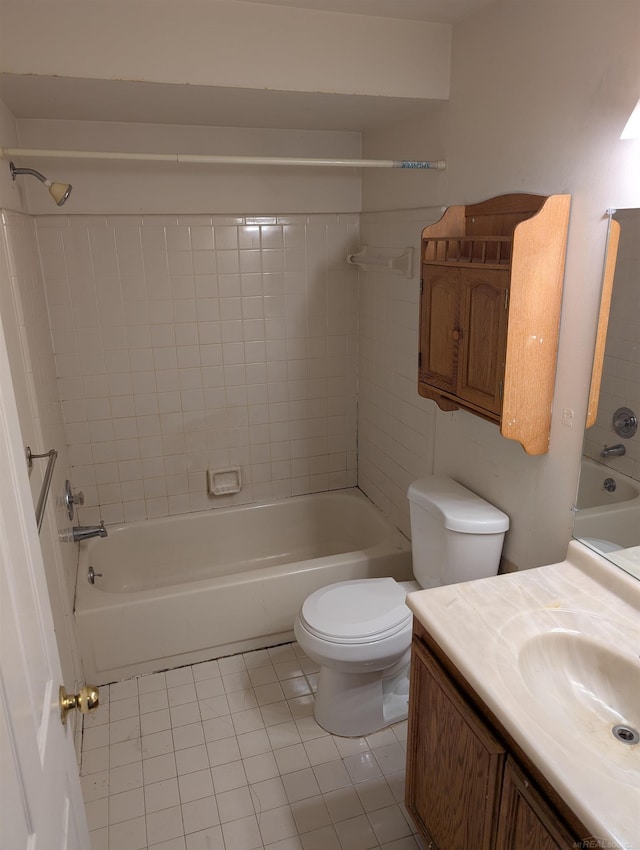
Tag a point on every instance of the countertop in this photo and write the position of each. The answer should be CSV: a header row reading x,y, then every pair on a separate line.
x,y
485,625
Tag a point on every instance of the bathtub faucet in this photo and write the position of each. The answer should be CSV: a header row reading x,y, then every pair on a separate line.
x,y
613,451
84,532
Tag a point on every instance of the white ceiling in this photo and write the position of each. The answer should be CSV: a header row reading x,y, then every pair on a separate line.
x,y
433,11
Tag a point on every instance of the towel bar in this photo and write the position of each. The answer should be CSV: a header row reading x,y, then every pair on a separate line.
x,y
52,454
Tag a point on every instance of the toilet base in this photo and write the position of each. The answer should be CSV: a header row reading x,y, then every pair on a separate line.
x,y
355,704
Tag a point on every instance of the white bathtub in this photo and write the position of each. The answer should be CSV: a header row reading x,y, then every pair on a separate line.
x,y
607,517
190,588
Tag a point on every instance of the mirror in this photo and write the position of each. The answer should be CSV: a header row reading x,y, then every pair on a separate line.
x,y
607,515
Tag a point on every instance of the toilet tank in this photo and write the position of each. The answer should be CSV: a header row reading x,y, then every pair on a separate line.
x,y
455,535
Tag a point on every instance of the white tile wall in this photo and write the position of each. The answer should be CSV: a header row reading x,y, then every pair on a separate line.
x,y
194,342
396,427
621,373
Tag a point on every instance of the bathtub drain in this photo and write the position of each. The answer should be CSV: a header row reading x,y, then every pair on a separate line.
x,y
626,734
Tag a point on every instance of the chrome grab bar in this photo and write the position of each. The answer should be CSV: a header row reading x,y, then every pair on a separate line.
x,y
52,454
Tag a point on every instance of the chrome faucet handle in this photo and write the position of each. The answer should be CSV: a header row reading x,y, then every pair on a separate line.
x,y
71,498
625,422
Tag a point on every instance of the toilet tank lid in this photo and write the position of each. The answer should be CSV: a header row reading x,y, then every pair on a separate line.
x,y
460,509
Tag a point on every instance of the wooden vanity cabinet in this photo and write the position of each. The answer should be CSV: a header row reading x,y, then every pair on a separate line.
x,y
490,298
525,819
465,785
454,763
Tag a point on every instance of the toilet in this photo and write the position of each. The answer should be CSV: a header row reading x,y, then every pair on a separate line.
x,y
359,632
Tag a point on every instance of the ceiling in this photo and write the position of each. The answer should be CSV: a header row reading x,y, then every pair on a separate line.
x,y
433,11
32,96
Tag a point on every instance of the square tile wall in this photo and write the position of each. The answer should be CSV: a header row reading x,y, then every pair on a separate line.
x,y
184,343
621,371
396,427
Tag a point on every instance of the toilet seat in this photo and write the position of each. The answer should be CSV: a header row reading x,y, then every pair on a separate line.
x,y
356,612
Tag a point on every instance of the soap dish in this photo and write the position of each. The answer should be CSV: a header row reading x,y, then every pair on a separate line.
x,y
224,482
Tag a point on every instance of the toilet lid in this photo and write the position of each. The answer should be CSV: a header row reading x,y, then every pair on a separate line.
x,y
356,611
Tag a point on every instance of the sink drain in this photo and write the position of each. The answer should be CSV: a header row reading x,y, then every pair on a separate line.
x,y
626,734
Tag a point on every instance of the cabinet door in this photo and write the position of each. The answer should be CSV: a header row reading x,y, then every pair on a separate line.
x,y
484,337
454,765
439,327
525,820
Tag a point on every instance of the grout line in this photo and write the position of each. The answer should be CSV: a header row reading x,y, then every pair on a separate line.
x,y
168,776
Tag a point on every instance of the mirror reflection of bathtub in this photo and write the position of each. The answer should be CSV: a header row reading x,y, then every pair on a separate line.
x,y
610,521
608,514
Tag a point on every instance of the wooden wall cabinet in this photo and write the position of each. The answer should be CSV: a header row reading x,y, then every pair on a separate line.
x,y
491,293
465,787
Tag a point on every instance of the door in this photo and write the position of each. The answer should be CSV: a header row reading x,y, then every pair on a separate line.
x,y
41,804
483,343
454,766
440,330
526,820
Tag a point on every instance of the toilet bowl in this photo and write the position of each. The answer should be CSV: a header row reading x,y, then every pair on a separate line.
x,y
359,632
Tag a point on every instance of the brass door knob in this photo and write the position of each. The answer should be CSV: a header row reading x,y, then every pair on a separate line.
x,y
87,699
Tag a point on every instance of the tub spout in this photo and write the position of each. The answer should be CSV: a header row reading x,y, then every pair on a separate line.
x,y
84,532
613,451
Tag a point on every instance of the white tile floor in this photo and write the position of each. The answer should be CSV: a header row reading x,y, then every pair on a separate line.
x,y
226,755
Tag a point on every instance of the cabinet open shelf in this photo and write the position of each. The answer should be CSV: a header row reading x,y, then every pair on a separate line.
x,y
492,252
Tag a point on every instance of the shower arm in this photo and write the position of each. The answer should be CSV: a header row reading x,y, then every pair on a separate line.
x,y
32,172
212,159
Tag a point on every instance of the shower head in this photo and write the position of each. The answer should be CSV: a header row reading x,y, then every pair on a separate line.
x,y
58,191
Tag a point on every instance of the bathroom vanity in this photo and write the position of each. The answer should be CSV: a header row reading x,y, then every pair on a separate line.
x,y
517,683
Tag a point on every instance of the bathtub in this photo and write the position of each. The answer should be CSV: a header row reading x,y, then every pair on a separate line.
x,y
189,588
607,520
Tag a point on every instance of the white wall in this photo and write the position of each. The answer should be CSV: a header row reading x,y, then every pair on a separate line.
x,y
8,138
226,44
219,334
184,343
540,92
131,187
396,427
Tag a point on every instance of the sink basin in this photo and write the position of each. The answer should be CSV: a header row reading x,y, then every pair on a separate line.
x,y
583,680
553,653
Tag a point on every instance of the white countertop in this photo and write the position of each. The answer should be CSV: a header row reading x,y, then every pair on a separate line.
x,y
488,627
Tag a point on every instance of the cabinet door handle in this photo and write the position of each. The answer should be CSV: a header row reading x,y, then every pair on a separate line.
x,y
456,334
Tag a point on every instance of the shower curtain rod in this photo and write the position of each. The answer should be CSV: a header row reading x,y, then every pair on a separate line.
x,y
437,165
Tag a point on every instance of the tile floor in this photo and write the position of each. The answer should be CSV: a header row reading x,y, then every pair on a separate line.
x,y
226,755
